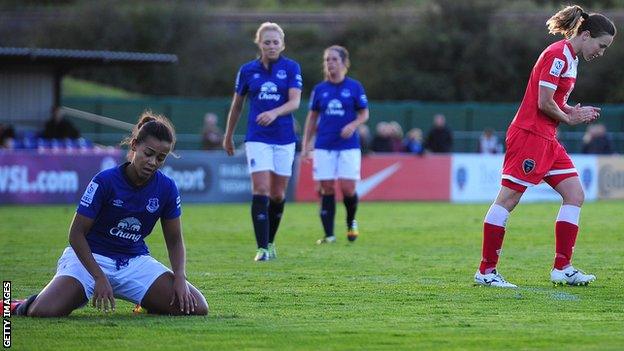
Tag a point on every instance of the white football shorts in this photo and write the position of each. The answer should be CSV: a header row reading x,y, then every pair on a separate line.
x,y
129,283
337,164
270,157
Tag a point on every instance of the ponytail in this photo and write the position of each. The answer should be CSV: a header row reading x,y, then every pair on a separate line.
x,y
566,21
573,20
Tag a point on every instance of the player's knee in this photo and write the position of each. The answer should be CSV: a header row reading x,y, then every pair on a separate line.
x,y
261,189
575,198
277,197
327,189
201,309
348,190
509,203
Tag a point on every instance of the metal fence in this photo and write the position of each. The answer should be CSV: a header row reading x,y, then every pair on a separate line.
x,y
466,120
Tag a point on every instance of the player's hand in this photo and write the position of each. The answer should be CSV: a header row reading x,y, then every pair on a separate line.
x,y
595,110
266,118
306,154
182,293
228,145
103,295
580,114
347,131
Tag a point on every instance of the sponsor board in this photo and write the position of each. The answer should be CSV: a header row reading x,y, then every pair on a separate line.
x,y
611,177
390,178
32,178
211,176
477,178
28,177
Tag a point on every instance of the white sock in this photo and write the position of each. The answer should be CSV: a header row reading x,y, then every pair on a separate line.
x,y
570,214
497,215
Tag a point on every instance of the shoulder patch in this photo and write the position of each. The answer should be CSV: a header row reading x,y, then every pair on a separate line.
x,y
87,197
557,67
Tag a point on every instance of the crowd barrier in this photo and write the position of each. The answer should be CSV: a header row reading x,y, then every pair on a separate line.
x,y
31,177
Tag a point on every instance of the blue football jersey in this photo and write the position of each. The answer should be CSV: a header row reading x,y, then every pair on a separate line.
x,y
337,105
124,214
267,89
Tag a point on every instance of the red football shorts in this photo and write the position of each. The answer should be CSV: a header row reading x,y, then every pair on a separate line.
x,y
531,158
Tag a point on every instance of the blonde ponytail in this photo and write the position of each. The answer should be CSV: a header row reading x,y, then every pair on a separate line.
x,y
567,21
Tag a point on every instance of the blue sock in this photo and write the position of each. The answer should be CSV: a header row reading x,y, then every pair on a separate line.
x,y
22,309
276,209
350,203
260,218
328,213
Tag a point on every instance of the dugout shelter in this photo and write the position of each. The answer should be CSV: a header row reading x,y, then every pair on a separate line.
x,y
30,78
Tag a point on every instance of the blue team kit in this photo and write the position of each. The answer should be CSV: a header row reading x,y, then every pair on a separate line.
x,y
125,214
337,105
266,90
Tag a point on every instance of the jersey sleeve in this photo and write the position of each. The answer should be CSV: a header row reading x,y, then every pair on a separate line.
x,y
551,67
315,103
361,101
94,197
240,85
173,205
295,80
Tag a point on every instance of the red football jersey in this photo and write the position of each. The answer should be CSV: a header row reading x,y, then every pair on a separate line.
x,y
554,69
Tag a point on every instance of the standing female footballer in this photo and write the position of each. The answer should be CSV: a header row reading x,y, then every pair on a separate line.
x,y
342,105
273,83
107,256
533,152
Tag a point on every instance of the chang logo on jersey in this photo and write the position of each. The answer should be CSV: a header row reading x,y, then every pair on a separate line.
x,y
281,74
152,205
334,108
268,91
127,228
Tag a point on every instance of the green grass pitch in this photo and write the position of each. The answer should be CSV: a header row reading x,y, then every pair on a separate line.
x,y
406,283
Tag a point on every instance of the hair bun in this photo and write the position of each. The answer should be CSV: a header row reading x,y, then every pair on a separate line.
x,y
144,120
585,15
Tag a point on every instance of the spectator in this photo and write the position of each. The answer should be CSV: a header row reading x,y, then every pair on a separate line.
x,y
488,143
212,135
596,141
413,143
7,135
58,127
396,136
382,142
439,138
365,138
